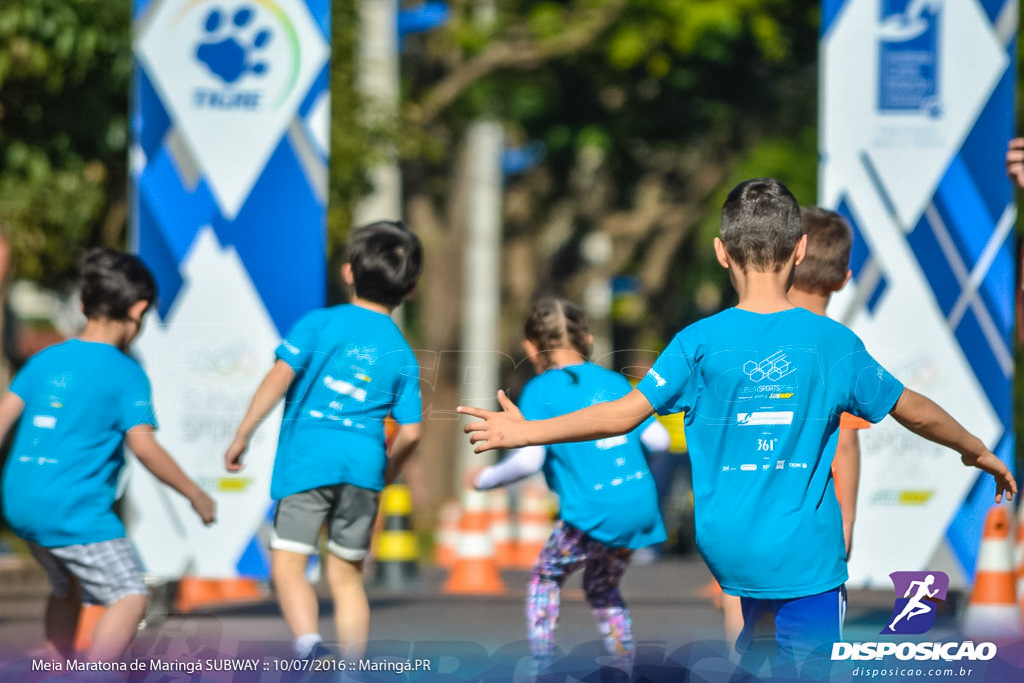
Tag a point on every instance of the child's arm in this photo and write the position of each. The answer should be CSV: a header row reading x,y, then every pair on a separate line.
x,y
11,406
404,445
655,438
271,390
847,466
142,440
519,464
508,428
922,416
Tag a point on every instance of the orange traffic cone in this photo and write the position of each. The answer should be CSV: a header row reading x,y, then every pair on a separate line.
x,y
87,620
446,539
194,592
993,613
501,528
1018,558
534,523
475,569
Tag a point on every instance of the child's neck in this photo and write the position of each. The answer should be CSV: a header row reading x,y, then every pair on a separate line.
x,y
815,303
761,292
370,305
563,357
104,331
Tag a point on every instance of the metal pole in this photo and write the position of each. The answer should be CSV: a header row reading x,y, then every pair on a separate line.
x,y
378,83
481,274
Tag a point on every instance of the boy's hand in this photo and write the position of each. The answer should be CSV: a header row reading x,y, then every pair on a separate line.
x,y
1015,161
499,429
233,456
988,462
204,506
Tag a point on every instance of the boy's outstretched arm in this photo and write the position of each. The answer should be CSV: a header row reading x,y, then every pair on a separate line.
x,y
271,390
11,407
404,445
922,416
142,440
509,429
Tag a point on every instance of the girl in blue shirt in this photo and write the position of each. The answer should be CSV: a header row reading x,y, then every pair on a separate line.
x,y
609,505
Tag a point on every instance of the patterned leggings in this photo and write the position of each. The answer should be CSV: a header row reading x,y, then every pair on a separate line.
x,y
566,551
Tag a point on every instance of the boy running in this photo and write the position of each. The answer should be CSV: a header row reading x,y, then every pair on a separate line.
x,y
344,369
75,404
763,386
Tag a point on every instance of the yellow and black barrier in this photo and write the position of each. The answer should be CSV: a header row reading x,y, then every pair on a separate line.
x,y
397,548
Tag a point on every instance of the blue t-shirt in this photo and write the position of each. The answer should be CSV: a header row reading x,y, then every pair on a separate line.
x,y
604,486
763,394
352,367
61,475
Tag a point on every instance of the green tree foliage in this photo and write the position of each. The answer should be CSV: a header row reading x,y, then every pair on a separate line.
x,y
648,110
65,67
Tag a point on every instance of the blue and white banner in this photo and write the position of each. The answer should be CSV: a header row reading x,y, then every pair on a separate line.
x,y
917,100
230,117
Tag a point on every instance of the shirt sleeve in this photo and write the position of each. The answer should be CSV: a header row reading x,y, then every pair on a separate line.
x,y
137,401
23,381
408,407
299,345
654,436
848,421
670,385
867,389
520,464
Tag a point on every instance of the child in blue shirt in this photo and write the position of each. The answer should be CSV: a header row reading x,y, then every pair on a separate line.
x,y
74,405
763,386
609,504
342,370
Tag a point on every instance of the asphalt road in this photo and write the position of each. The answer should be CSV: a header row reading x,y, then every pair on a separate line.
x,y
463,635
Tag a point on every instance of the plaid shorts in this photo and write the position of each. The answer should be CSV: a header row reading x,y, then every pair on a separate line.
x,y
107,571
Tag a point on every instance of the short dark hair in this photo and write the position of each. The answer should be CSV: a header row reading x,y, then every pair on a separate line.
x,y
829,241
386,259
112,281
760,224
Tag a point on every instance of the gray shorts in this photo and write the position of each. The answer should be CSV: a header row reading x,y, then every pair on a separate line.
x,y
107,571
348,510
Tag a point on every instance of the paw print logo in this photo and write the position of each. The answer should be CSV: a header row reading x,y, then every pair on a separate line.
x,y
226,52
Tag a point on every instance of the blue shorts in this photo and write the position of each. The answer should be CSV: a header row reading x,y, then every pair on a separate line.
x,y
797,625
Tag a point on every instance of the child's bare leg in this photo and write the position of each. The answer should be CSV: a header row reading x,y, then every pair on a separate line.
x,y
294,594
117,627
61,621
733,611
351,608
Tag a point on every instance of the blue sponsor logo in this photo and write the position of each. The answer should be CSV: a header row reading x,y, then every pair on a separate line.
x,y
231,47
908,57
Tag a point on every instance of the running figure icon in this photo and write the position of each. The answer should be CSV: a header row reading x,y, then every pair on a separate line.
x,y
916,605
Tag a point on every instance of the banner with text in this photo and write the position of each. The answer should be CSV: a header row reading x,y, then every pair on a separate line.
x,y
917,100
230,118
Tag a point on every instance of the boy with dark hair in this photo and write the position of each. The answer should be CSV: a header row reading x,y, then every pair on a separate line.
x,y
75,404
344,369
763,386
824,271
